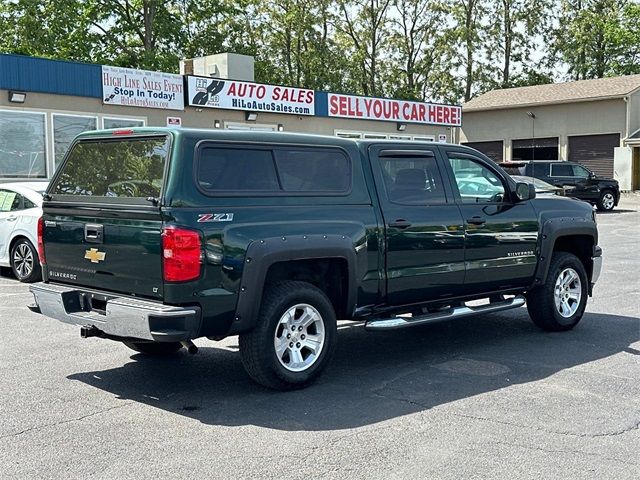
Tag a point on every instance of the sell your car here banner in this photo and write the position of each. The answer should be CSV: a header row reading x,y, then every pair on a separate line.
x,y
386,109
206,92
142,88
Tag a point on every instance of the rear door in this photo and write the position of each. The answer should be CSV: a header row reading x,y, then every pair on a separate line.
x,y
102,223
423,226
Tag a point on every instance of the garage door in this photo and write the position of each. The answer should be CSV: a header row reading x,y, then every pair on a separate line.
x,y
595,152
493,150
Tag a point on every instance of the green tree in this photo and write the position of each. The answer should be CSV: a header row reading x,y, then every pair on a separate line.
x,y
512,39
598,38
469,37
364,30
417,63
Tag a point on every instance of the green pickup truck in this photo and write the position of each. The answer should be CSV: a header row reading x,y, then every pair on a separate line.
x,y
154,237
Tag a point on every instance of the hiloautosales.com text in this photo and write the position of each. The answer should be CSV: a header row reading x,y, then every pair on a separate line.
x,y
268,107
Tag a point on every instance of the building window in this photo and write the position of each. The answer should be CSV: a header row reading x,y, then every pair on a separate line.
x,y
108,122
382,136
22,144
492,149
535,149
66,128
354,135
424,138
253,127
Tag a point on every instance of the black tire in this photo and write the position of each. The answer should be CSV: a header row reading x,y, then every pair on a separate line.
x,y
25,262
154,348
541,301
606,201
257,348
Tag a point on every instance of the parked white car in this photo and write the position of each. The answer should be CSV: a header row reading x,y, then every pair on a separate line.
x,y
20,209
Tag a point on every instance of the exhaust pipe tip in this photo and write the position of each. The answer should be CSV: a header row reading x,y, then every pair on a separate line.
x,y
190,346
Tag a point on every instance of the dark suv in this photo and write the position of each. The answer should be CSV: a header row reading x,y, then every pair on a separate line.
x,y
577,180
155,237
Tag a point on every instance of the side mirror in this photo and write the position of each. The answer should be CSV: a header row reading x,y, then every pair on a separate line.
x,y
525,191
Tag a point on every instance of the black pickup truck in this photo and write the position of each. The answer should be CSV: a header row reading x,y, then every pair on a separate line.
x,y
155,237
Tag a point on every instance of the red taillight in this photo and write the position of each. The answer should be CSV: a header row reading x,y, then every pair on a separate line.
x,y
40,240
181,252
123,132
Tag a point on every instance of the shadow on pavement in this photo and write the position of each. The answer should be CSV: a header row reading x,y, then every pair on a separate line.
x,y
616,210
374,376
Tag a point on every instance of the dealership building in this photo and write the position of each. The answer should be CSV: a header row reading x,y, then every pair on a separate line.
x,y
593,122
45,103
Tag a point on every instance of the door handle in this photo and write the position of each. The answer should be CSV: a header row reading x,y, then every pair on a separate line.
x,y
11,219
400,223
476,220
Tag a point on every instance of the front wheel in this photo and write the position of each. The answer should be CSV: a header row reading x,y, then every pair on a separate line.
x,y
606,201
294,338
559,304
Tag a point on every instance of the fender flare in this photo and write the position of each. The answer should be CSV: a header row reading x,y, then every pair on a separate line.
x,y
554,229
262,254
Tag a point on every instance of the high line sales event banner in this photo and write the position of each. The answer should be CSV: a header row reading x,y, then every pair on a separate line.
x,y
256,97
142,88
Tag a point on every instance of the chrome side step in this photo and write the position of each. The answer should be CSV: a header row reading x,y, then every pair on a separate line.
x,y
451,313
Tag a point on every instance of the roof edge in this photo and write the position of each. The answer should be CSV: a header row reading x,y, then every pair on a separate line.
x,y
526,105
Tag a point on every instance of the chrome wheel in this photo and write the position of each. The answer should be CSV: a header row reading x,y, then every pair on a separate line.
x,y
23,260
608,201
299,337
567,292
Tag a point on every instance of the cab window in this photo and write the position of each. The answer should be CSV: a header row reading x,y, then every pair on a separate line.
x,y
412,181
476,183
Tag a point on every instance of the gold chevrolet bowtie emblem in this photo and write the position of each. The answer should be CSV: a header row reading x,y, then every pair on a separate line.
x,y
94,255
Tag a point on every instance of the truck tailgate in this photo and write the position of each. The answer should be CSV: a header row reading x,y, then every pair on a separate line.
x,y
101,250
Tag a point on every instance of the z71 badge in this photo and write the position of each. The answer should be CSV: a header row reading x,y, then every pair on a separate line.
x,y
215,217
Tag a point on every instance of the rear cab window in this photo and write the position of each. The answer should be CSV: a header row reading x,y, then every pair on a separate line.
x,y
115,170
272,170
412,181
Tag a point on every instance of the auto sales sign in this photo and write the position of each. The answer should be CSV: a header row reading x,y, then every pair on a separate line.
x,y
206,92
368,108
142,88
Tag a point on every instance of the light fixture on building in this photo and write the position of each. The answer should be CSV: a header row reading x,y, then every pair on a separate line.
x,y
216,124
251,116
531,115
401,127
280,127
17,97
198,110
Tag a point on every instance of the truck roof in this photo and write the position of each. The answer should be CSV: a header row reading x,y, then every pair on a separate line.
x,y
242,135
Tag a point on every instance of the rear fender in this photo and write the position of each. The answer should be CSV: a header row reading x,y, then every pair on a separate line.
x,y
262,254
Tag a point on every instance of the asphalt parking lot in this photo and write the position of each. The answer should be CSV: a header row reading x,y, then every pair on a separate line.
x,y
487,397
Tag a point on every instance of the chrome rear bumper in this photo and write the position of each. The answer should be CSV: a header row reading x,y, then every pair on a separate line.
x,y
120,316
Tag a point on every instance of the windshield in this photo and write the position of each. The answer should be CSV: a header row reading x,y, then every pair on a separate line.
x,y
123,167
